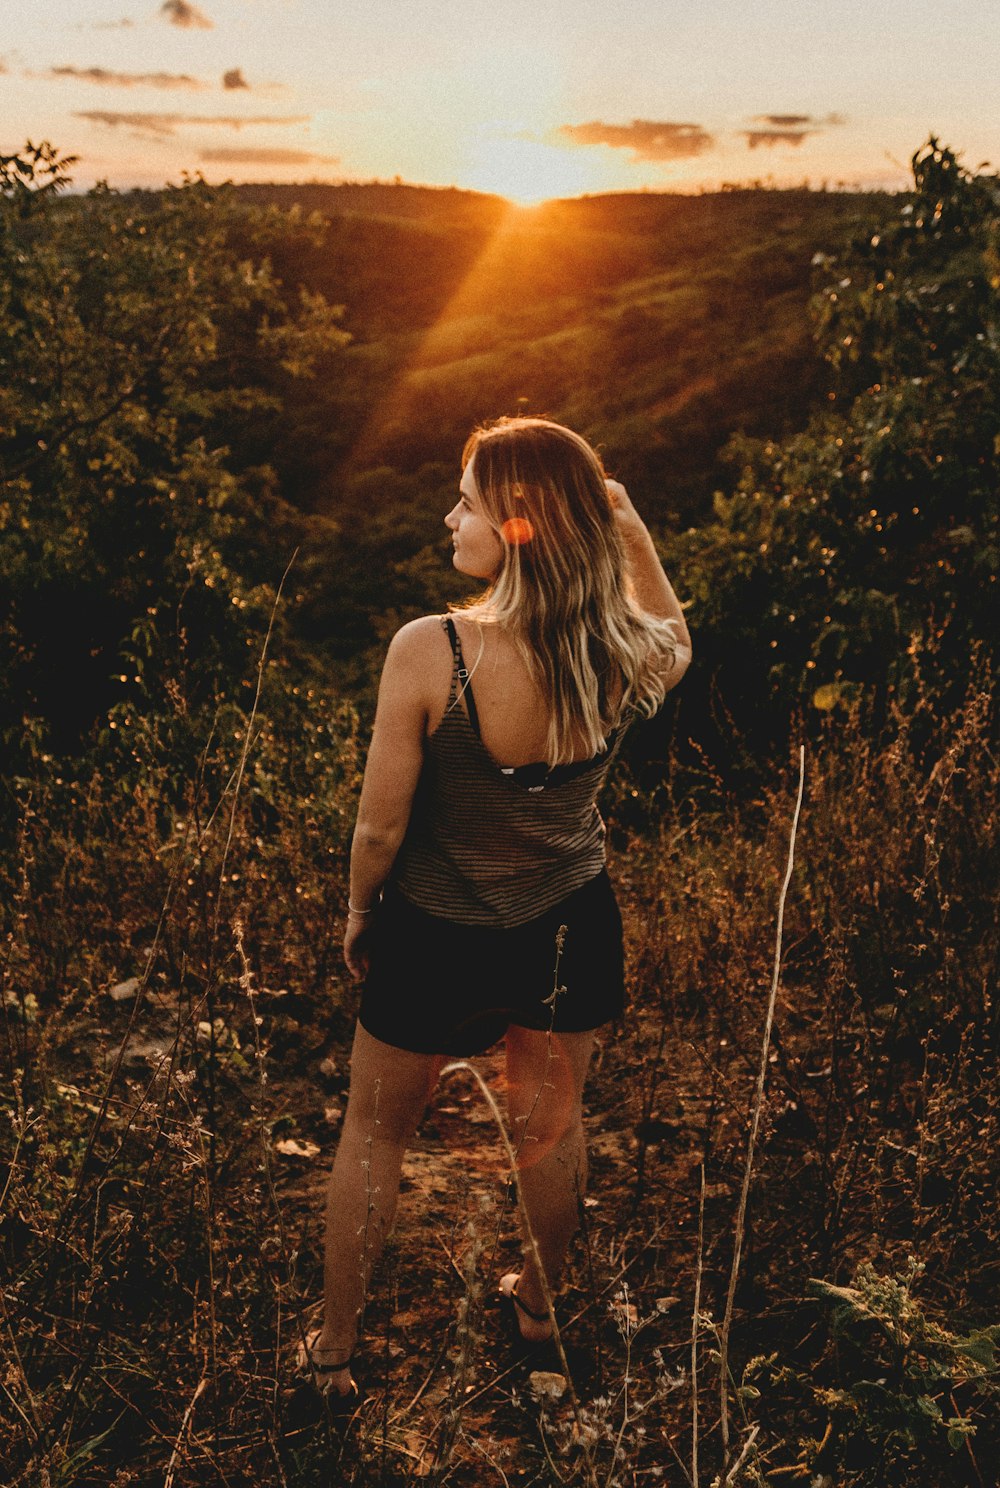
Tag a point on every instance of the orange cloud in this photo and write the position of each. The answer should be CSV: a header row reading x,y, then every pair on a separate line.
x,y
768,138
264,156
106,77
183,13
783,121
788,128
163,125
645,138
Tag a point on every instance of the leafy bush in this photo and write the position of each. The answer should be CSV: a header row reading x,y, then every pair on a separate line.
x,y
909,1398
875,531
912,1388
135,341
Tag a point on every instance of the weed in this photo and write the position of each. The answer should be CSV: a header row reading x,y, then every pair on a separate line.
x,y
176,1025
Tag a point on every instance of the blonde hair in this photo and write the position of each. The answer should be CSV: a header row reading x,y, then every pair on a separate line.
x,y
562,590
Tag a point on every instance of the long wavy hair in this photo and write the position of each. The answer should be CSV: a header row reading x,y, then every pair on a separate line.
x,y
562,591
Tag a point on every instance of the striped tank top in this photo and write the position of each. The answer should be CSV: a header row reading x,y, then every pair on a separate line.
x,y
488,846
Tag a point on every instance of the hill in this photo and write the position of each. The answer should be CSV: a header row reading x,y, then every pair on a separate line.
x,y
658,324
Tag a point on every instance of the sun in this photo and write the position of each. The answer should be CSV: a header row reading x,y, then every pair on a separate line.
x,y
528,171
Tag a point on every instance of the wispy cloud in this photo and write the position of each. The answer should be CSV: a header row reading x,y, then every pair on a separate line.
x,y
783,121
164,125
264,156
107,78
787,129
647,139
183,13
124,24
234,78
767,138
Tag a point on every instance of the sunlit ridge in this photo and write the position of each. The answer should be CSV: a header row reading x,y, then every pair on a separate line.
x,y
399,403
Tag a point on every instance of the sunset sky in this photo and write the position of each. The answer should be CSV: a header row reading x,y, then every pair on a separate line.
x,y
530,100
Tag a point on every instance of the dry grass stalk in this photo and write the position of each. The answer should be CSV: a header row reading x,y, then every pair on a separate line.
x,y
729,1476
695,1323
247,738
758,1105
182,1434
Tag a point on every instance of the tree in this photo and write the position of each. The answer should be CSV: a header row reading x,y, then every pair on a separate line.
x,y
846,550
137,332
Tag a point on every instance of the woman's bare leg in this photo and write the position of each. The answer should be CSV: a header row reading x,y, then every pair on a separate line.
x,y
545,1080
388,1094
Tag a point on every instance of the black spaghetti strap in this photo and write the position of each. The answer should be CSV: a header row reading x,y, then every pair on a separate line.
x,y
463,673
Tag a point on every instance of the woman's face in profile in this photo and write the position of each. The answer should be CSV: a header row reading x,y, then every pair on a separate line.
x,y
478,549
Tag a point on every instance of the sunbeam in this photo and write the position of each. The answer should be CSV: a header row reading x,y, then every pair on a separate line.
x,y
397,409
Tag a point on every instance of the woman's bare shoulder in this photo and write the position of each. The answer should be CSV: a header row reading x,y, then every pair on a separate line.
x,y
419,650
417,638
416,664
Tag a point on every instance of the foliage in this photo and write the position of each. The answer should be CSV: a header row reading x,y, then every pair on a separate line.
x,y
900,1399
134,340
876,528
155,438
176,1017
899,1416
169,1103
38,172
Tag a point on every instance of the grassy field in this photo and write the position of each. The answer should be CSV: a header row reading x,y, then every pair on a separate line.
x,y
177,1026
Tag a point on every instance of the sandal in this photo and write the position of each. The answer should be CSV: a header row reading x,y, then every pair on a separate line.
x,y
339,1402
510,1296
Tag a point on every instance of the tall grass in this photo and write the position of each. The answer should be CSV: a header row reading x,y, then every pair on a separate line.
x,y
176,1025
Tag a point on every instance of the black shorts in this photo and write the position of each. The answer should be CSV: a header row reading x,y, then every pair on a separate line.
x,y
437,987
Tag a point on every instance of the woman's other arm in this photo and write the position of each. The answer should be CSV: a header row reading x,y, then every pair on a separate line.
x,y
395,757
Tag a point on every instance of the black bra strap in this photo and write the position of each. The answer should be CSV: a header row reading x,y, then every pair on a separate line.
x,y
462,672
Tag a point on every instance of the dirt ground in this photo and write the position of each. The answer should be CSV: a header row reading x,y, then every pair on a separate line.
x,y
449,1388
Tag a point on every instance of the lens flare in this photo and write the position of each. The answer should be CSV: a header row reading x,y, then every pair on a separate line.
x,y
517,530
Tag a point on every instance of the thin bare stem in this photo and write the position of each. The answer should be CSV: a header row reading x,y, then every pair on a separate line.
x,y
695,1324
626,1418
178,1444
758,1105
729,1476
369,1203
247,732
491,1460
246,983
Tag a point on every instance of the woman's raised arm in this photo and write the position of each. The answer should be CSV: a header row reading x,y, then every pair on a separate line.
x,y
653,590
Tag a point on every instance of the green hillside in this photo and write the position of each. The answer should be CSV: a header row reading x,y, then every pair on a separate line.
x,y
658,324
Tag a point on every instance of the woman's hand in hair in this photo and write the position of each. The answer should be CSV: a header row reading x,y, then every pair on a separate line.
x,y
652,589
629,520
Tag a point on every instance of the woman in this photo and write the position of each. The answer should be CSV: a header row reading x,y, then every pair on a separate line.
x,y
479,907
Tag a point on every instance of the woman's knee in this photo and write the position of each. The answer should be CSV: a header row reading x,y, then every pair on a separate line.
x,y
545,1079
389,1089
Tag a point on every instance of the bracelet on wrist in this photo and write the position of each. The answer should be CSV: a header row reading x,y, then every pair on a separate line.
x,y
352,909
